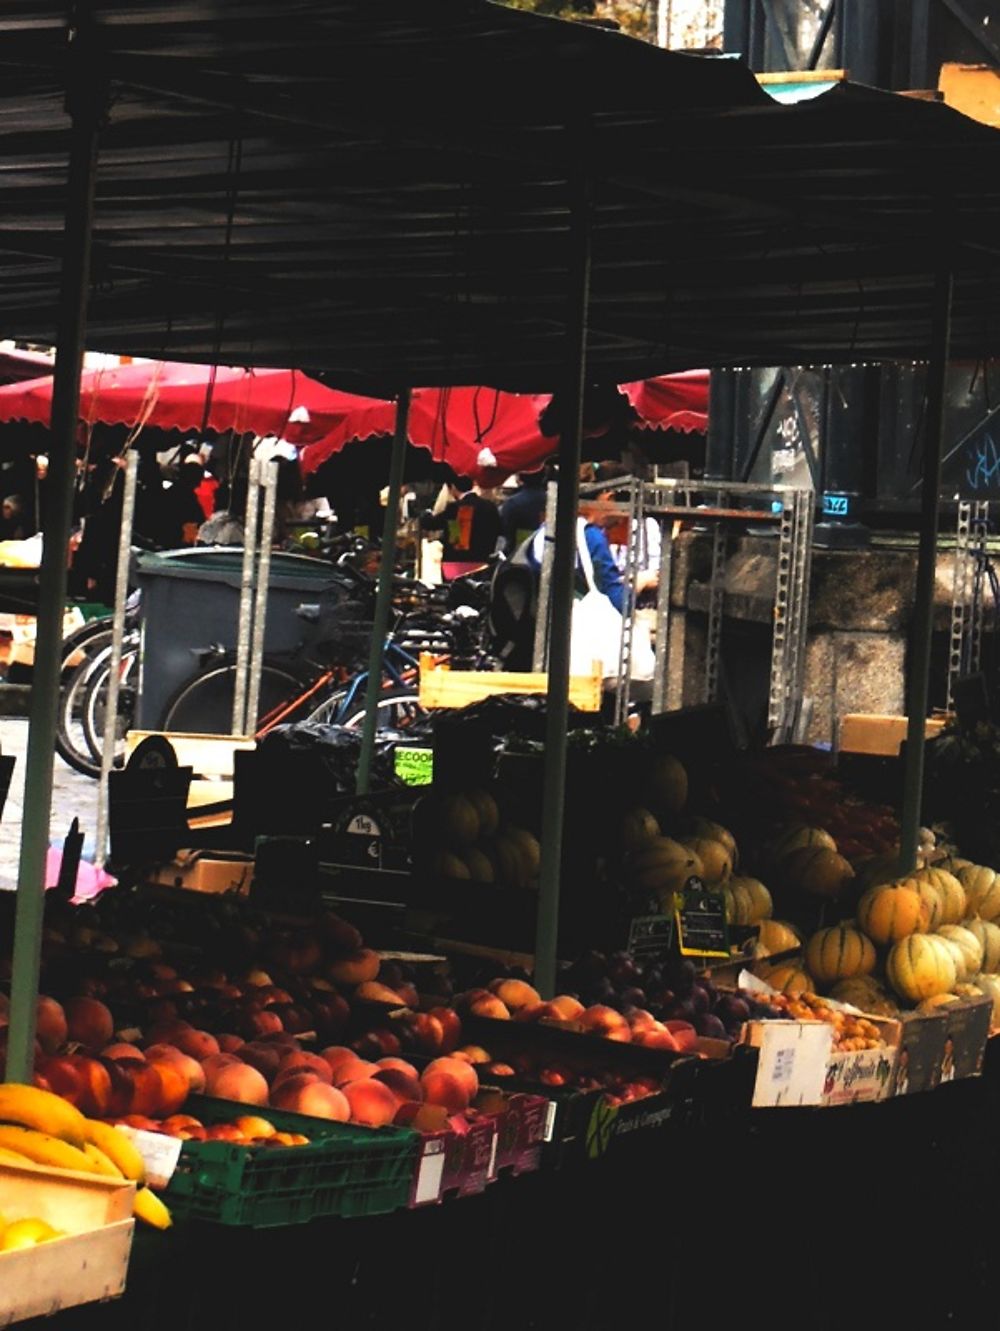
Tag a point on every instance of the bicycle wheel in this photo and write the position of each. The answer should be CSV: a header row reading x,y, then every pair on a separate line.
x,y
398,710
326,712
70,740
203,705
95,703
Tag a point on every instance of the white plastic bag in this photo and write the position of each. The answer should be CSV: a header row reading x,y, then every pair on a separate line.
x,y
597,628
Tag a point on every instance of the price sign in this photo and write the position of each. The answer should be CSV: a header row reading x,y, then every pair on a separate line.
x,y
701,922
651,936
413,765
159,1152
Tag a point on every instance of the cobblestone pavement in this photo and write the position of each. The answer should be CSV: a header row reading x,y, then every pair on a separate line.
x,y
73,796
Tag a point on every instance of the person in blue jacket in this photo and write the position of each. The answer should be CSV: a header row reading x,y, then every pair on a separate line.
x,y
608,576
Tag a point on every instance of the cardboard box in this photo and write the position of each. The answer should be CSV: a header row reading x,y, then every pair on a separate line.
x,y
793,1062
212,872
968,1031
864,1074
88,1264
919,1053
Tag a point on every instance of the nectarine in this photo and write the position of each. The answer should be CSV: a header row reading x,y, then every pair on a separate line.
x,y
451,1026
95,1097
359,1071
338,1056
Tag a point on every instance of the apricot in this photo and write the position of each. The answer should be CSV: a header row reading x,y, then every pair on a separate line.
x,y
500,1070
422,1117
445,1089
238,1081
515,994
51,1028
317,1099
355,968
181,1123
89,1022
372,1104
252,1125
489,1006
225,1132
197,1044
472,1053
458,1068
404,1085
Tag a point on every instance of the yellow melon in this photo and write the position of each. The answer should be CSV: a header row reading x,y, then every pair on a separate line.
x,y
479,865
890,912
988,934
982,890
487,809
933,902
816,870
664,866
839,952
666,788
970,945
704,827
990,985
459,821
788,979
747,901
795,837
777,936
639,827
716,862
950,890
920,966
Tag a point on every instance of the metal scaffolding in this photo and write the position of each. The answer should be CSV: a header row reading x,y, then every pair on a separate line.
x,y
966,636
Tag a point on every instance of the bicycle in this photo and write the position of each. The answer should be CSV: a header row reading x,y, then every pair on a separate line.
x,y
86,655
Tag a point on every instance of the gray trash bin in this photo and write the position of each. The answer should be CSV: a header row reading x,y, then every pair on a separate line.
x,y
190,601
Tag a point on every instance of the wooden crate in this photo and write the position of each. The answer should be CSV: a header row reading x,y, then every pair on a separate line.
x,y
881,736
441,687
89,1264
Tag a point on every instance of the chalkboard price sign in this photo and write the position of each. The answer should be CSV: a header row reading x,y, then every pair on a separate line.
x,y
651,936
701,922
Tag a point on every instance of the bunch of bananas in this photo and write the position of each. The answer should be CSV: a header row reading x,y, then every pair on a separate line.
x,y
40,1128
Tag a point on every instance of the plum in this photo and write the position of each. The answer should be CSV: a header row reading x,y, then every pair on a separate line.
x,y
699,999
710,1026
732,1008
633,997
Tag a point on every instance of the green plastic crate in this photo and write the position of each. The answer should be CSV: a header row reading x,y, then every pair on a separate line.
x,y
345,1170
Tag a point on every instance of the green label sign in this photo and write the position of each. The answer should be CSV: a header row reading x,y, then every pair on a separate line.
x,y
414,765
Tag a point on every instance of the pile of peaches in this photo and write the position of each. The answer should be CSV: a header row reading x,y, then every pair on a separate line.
x,y
245,1130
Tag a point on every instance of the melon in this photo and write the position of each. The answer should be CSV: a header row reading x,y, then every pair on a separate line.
x,y
795,837
507,861
982,890
950,890
664,866
487,809
962,971
479,865
666,789
748,902
458,820
877,870
920,966
990,985
449,865
776,936
838,953
528,847
639,827
866,993
936,1001
704,827
988,934
816,870
716,862
933,903
969,944
787,978
890,912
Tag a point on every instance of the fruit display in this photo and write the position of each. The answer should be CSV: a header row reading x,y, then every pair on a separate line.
x,y
463,836
852,1032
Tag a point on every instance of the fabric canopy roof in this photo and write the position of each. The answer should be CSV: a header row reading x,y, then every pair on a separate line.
x,y
385,193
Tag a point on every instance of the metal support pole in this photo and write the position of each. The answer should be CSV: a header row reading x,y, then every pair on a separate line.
x,y
269,484
633,548
541,647
961,587
563,588
383,596
86,103
115,667
716,600
923,599
244,622
661,672
980,531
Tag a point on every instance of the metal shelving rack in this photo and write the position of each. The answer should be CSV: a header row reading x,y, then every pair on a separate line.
x,y
966,636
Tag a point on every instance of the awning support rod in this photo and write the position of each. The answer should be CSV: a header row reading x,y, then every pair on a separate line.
x,y
923,602
562,593
86,103
383,596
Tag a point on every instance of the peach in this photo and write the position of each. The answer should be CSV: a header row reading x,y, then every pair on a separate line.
x,y
252,1125
238,1081
428,1032
197,1044
174,1087
147,1088
266,1058
122,1050
399,1063
65,1077
120,1101
229,1044
50,1024
214,1061
489,1006
641,1020
605,1021
355,967
310,1062
95,1096
472,1053
458,1068
500,1070
372,1103
404,1085
293,1081
451,1025
338,1056
377,1044
515,994
685,1035
317,1099
656,1039
163,1032
339,933
422,1117
570,1008
373,992
464,1001
89,1022
191,1069
264,1022
445,1089
359,1071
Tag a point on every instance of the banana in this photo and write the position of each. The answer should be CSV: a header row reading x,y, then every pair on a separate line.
x,y
101,1163
117,1147
43,1111
148,1207
43,1149
13,1157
